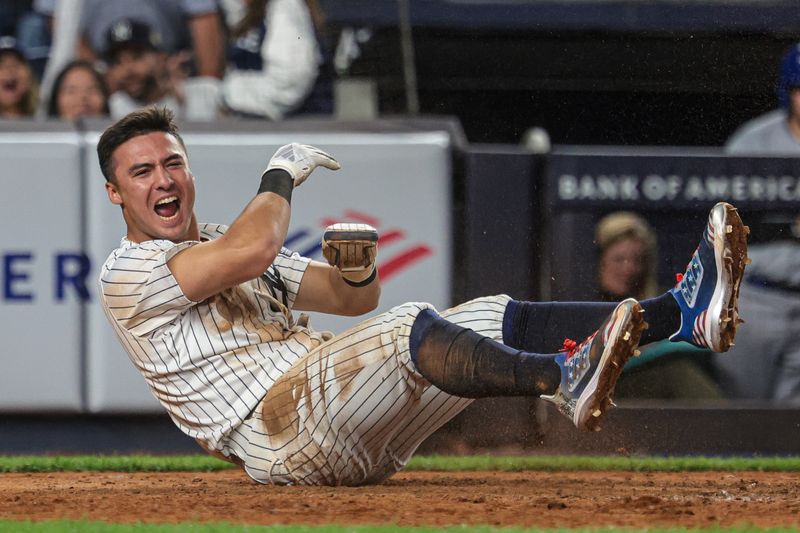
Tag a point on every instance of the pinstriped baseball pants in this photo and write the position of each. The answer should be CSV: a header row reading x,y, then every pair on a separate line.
x,y
354,410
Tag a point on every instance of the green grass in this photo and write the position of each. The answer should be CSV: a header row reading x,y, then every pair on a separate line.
x,y
67,526
114,463
203,463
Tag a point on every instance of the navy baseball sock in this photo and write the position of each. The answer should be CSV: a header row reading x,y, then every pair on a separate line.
x,y
543,326
464,363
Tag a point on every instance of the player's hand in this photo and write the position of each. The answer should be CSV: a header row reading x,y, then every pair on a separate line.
x,y
352,249
299,160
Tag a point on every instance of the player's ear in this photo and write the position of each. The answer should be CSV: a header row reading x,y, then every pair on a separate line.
x,y
113,193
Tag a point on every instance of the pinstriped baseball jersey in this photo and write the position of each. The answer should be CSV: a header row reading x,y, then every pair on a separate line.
x,y
354,410
247,381
208,363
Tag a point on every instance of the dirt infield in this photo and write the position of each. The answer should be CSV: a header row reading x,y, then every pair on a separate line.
x,y
430,498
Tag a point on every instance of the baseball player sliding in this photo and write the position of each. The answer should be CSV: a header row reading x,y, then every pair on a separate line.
x,y
205,313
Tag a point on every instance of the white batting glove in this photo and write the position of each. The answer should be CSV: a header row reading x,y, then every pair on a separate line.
x,y
299,160
352,248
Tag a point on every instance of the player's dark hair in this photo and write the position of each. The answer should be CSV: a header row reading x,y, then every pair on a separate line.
x,y
140,122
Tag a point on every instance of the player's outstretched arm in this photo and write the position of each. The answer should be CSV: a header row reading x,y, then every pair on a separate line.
x,y
348,284
254,239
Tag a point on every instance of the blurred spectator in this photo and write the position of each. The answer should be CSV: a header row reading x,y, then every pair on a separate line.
x,y
279,63
193,25
18,88
627,260
138,70
776,132
79,91
189,31
765,363
18,18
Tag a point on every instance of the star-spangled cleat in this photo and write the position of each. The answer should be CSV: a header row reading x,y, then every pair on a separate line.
x,y
589,371
708,292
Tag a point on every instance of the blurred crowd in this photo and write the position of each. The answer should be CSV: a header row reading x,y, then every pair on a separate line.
x,y
271,59
204,59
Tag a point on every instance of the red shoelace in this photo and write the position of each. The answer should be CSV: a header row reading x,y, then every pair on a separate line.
x,y
570,346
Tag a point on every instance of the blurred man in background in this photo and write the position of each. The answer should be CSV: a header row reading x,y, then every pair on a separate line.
x,y
138,73
770,299
776,132
770,291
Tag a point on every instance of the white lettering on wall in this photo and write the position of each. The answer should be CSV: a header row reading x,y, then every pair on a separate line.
x,y
660,188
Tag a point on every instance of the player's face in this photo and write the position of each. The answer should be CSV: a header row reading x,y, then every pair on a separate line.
x,y
155,188
622,268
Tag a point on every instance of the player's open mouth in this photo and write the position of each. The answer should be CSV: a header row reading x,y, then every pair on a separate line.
x,y
167,208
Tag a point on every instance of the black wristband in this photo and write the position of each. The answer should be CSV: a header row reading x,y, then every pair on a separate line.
x,y
363,282
277,181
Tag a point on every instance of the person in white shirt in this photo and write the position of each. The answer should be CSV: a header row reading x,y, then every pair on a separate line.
x,y
278,61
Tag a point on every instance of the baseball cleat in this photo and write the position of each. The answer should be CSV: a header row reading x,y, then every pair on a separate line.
x,y
708,292
589,371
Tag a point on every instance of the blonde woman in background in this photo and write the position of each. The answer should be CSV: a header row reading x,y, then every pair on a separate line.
x,y
627,262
